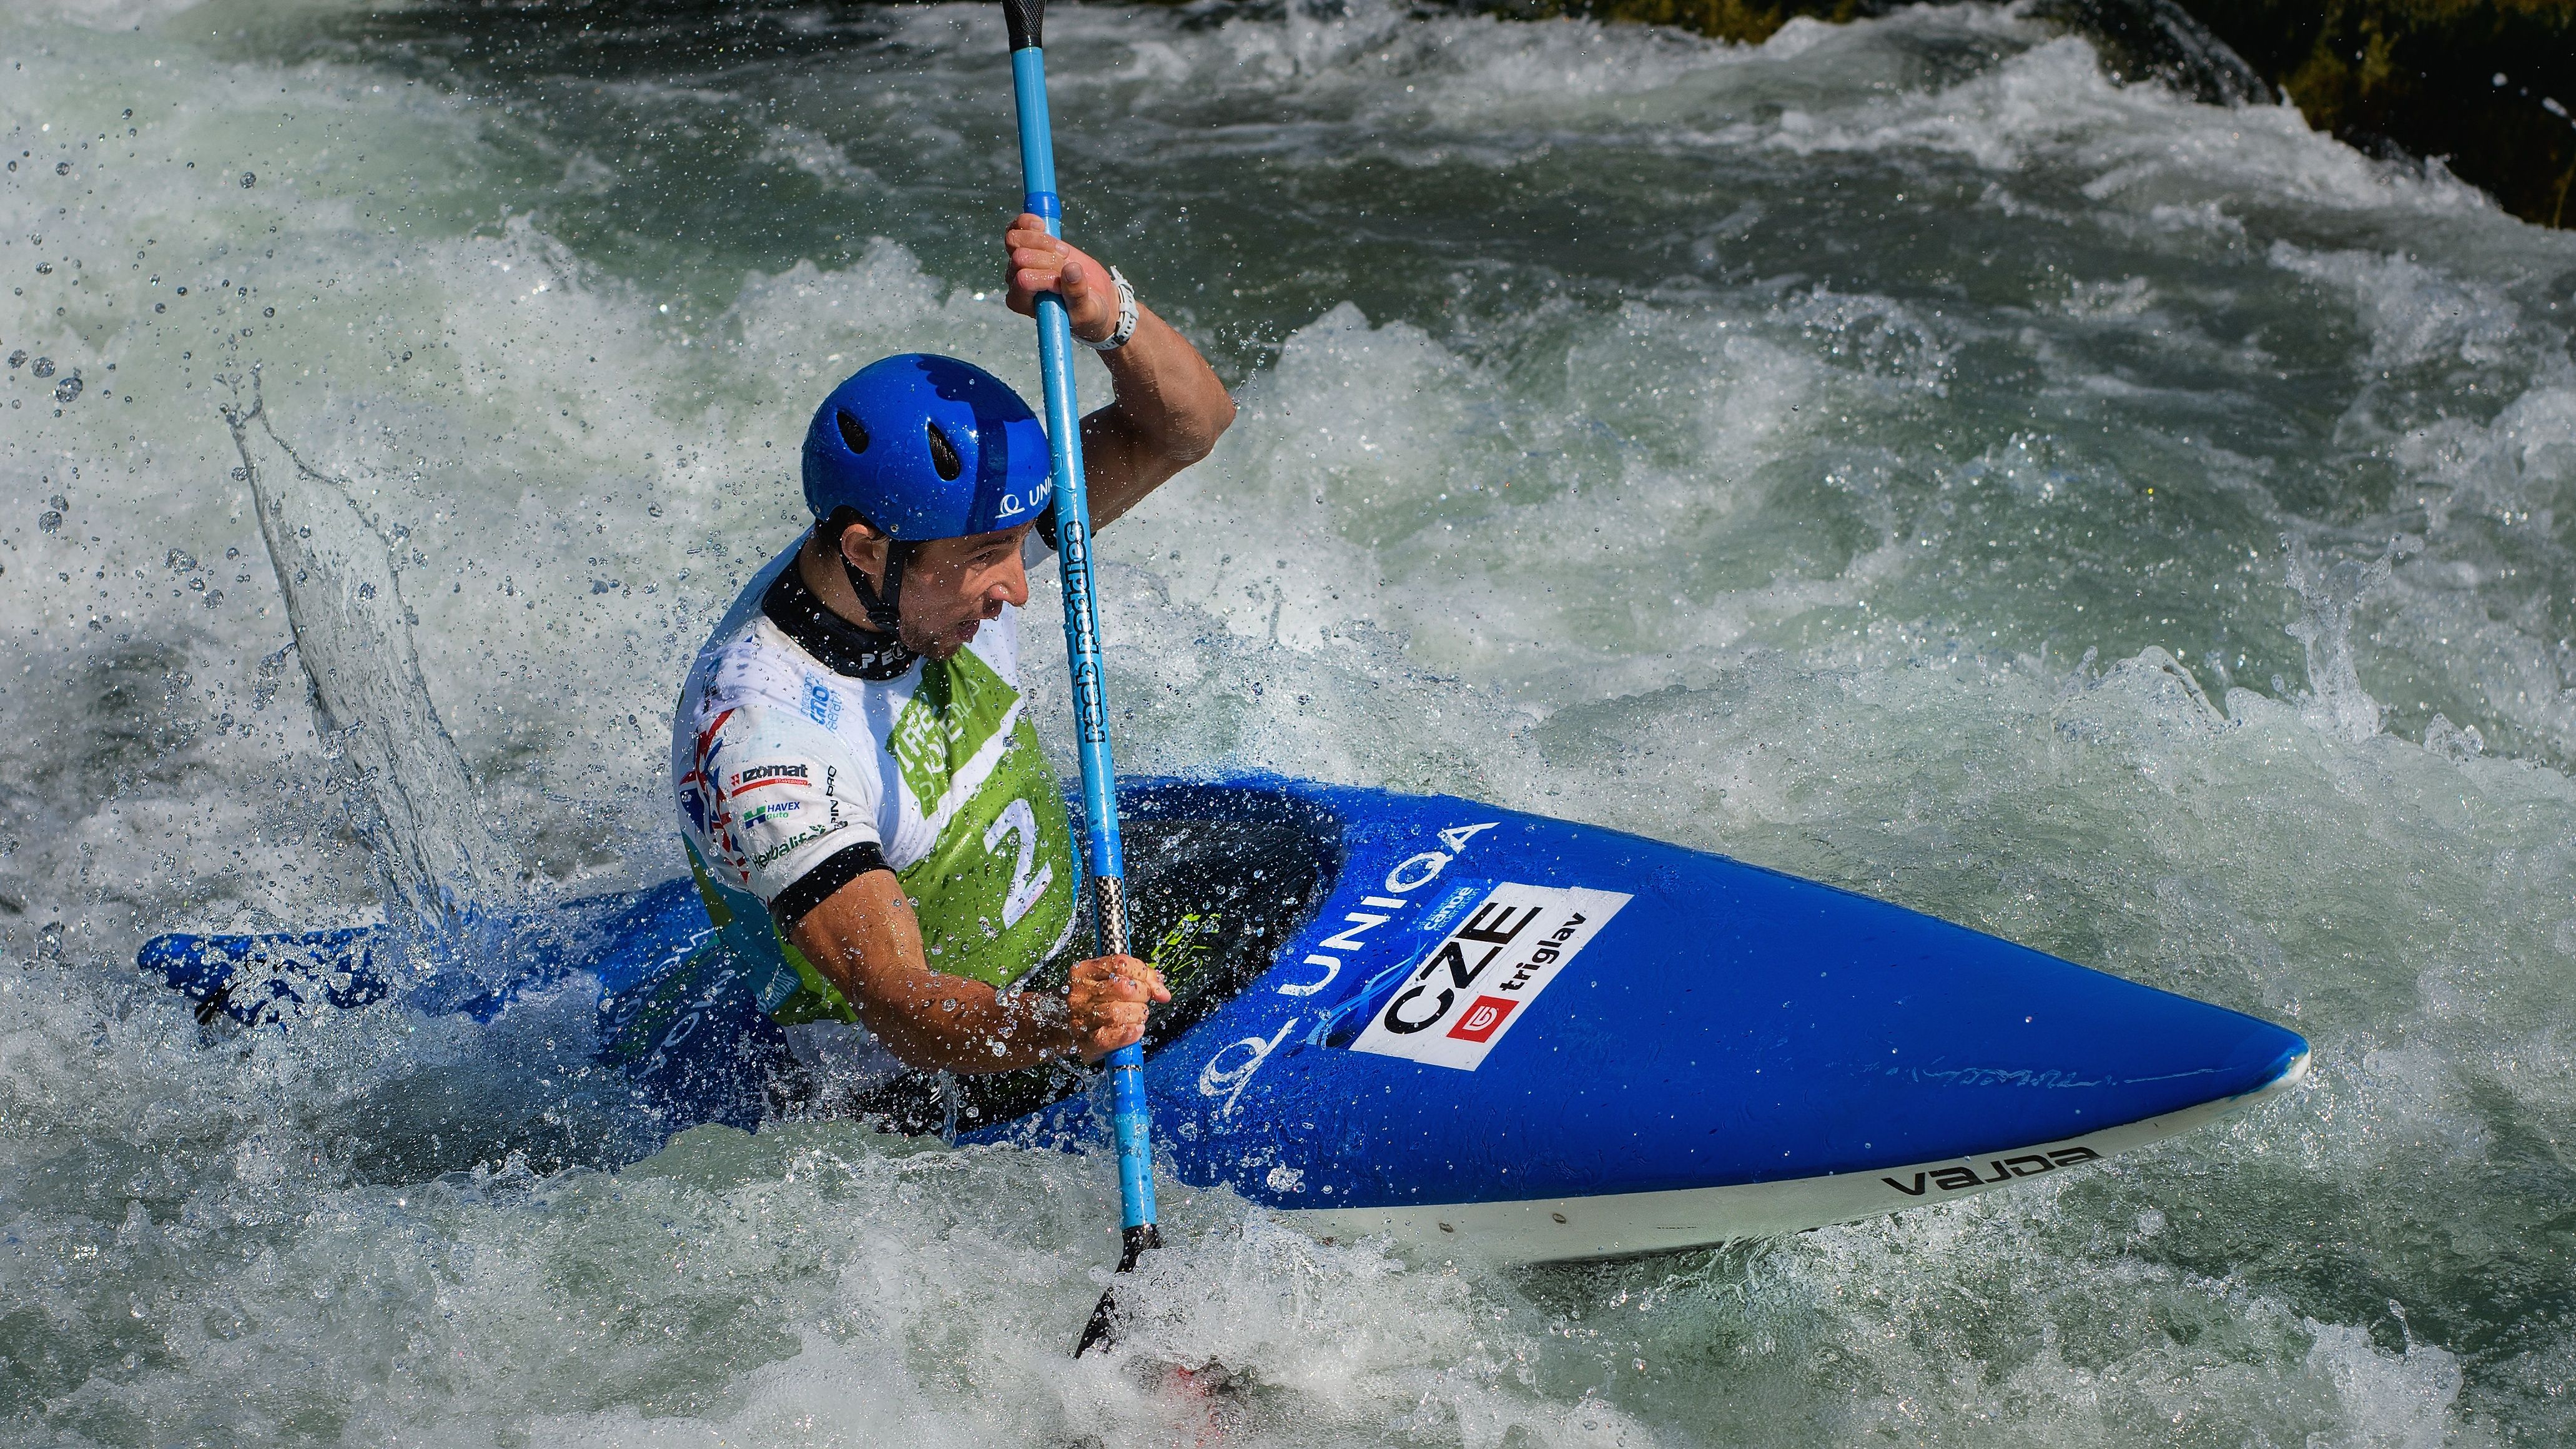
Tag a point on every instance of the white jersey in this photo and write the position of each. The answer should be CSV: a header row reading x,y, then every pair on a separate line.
x,y
795,774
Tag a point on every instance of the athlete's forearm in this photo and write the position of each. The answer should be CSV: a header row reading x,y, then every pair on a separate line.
x,y
1168,413
1167,392
964,1026
866,940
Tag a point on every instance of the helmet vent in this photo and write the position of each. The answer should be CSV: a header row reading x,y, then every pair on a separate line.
x,y
851,432
943,454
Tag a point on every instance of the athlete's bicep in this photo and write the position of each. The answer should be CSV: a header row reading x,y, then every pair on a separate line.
x,y
862,935
1120,466
865,939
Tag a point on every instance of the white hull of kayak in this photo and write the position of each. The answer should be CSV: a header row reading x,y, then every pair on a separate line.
x,y
1551,1230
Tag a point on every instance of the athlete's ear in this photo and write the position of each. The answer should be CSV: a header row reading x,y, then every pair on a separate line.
x,y
857,541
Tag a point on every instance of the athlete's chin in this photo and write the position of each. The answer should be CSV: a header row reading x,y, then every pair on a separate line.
x,y
946,643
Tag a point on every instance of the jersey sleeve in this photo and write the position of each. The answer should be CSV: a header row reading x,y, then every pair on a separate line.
x,y
778,806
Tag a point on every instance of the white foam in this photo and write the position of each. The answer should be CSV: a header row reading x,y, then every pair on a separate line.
x,y
1725,559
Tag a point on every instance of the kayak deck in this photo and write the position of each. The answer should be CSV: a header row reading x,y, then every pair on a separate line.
x,y
1438,1020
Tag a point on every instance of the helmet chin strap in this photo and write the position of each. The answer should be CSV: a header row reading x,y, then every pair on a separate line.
x,y
883,610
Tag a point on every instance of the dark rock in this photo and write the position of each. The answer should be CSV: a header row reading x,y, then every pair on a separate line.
x,y
2159,40
2398,79
2420,76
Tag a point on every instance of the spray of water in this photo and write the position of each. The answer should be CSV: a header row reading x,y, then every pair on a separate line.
x,y
415,807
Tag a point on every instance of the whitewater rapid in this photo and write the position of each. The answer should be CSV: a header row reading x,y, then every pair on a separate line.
x,y
1895,454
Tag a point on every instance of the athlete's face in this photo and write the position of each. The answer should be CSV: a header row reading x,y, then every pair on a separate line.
x,y
953,586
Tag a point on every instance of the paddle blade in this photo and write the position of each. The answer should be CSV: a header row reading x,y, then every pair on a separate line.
x,y
1102,1330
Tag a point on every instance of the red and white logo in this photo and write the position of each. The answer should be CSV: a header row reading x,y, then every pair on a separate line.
x,y
1480,1021
1465,995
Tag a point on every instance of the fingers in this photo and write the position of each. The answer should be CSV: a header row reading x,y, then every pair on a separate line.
x,y
1108,1038
1138,973
1108,1027
1109,998
1119,978
1025,247
1036,262
1031,260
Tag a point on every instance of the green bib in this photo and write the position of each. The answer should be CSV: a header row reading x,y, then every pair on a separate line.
x,y
994,896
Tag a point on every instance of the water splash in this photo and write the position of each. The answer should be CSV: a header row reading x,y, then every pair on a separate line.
x,y
440,868
2330,594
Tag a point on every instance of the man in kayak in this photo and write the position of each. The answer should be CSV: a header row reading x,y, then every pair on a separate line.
x,y
880,843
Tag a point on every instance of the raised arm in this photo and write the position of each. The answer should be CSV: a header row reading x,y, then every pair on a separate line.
x,y
1168,409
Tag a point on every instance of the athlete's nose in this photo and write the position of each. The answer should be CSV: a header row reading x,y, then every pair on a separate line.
x,y
1011,588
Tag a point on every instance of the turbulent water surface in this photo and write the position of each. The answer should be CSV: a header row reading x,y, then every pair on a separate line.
x,y
1898,454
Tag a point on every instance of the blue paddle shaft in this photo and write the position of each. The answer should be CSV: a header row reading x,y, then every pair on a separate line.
x,y
1129,1122
1072,499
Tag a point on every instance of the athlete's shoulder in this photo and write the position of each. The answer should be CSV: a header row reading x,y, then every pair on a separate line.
x,y
767,794
732,635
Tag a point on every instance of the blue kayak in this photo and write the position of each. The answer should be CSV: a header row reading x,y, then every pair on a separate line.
x,y
1441,1021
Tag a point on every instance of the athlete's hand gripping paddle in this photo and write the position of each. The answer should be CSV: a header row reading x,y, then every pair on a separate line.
x,y
1082,650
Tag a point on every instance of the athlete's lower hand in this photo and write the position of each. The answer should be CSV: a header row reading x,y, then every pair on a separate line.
x,y
1042,263
1107,1002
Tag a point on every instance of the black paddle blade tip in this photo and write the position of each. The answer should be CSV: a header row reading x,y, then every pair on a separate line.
x,y
1102,1330
1027,19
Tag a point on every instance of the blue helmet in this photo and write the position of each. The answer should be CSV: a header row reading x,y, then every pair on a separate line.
x,y
926,447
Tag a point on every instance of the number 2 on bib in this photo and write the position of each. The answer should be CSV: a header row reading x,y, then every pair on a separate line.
x,y
1029,880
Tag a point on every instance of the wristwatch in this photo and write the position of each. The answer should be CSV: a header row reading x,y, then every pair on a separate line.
x,y
1126,317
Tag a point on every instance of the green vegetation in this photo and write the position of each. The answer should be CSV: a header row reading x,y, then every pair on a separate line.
x,y
2423,75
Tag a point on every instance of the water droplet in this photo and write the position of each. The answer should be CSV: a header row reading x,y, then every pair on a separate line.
x,y
304,531
44,367
366,591
49,521
44,269
68,388
248,178
62,168
180,560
